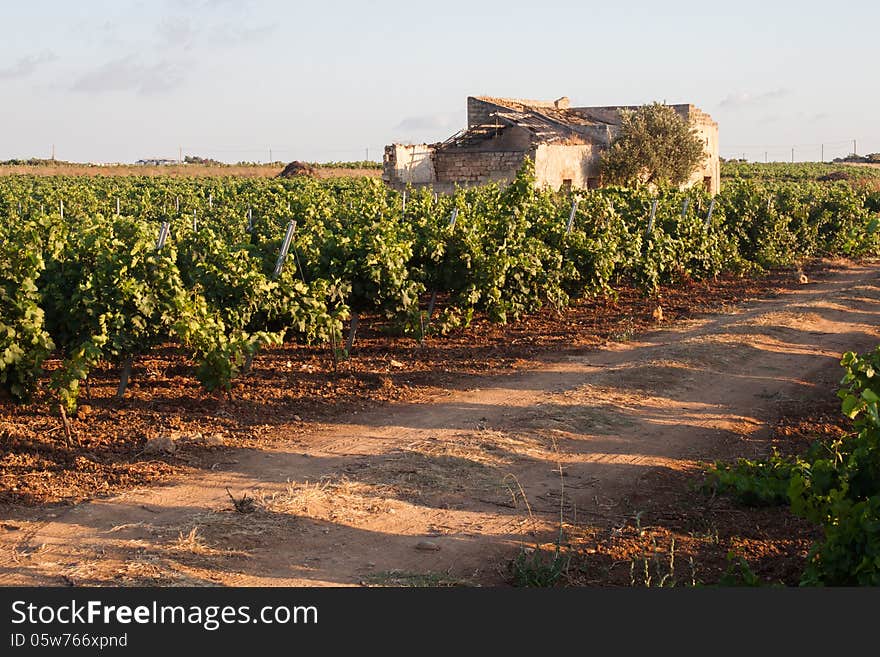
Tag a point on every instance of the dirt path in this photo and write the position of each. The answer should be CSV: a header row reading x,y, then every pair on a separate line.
x,y
436,492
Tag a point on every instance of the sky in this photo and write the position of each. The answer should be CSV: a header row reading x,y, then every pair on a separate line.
x,y
116,81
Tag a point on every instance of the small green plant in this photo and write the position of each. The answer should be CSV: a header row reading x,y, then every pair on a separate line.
x,y
638,519
626,331
739,573
753,483
399,579
705,529
534,567
655,570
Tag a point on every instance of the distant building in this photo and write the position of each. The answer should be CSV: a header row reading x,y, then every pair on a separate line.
x,y
156,162
564,143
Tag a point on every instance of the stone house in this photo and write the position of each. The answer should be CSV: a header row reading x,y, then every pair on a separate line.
x,y
564,142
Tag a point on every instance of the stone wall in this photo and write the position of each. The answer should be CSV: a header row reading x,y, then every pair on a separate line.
x,y
479,109
470,167
709,174
408,164
506,138
558,165
444,169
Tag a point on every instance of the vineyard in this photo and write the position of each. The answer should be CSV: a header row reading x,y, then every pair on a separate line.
x,y
799,172
115,289
108,269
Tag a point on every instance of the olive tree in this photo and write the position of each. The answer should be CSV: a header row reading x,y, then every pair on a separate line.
x,y
654,146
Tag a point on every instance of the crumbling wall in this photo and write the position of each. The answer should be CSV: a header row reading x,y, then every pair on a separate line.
x,y
506,138
598,135
558,165
405,164
709,174
470,167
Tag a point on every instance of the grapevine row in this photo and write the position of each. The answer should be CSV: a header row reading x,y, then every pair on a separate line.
x,y
84,274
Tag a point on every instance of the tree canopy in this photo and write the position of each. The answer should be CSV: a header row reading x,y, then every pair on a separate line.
x,y
654,146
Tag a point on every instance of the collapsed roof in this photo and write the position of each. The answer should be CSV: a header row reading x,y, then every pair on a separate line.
x,y
545,122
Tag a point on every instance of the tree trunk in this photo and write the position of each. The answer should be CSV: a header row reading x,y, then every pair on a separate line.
x,y
123,380
431,305
68,434
352,331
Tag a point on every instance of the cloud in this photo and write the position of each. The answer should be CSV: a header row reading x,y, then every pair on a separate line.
x,y
129,74
109,33
184,32
771,118
177,33
27,65
209,4
747,99
231,35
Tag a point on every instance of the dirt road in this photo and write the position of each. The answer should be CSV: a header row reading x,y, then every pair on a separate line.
x,y
450,489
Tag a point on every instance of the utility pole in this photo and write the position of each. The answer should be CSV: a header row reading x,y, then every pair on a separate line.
x,y
855,152
53,152
367,154
270,155
822,156
180,154
765,157
792,156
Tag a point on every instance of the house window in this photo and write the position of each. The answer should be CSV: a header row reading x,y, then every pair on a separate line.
x,y
566,185
592,183
707,183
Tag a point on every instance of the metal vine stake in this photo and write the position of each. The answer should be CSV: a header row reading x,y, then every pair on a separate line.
x,y
285,247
